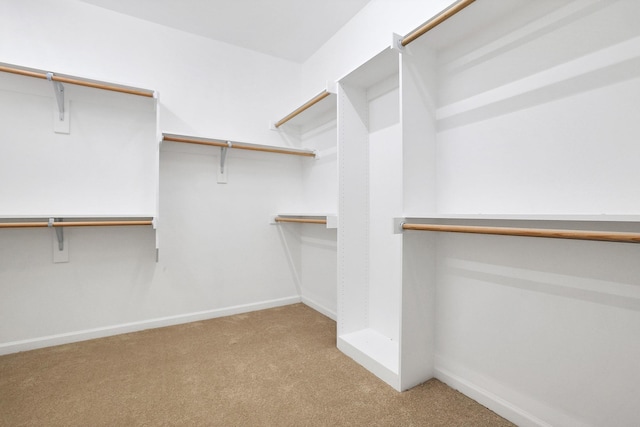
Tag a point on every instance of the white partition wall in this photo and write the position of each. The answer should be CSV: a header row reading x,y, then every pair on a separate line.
x,y
315,129
386,312
523,115
370,254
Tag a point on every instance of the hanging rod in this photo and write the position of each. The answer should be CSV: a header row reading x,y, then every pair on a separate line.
x,y
300,220
74,224
238,145
322,95
76,81
609,236
435,21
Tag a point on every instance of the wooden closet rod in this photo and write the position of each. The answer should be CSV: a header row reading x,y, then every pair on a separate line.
x,y
435,21
609,236
238,145
322,95
76,81
301,220
74,224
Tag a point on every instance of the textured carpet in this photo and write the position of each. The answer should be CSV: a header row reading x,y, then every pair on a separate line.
x,y
277,367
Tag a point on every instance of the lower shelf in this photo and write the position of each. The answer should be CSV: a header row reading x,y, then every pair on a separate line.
x,y
330,220
374,351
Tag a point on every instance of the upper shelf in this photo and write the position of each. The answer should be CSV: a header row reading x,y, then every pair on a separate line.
x,y
435,21
39,222
528,217
233,144
63,78
380,67
318,110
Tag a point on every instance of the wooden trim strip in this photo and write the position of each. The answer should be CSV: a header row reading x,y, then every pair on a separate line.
x,y
79,82
75,224
187,140
322,95
23,224
301,220
609,236
435,21
102,223
267,149
238,145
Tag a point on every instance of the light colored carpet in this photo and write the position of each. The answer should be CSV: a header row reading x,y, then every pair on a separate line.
x,y
277,367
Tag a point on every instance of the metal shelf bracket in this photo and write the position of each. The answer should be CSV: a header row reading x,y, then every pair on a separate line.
x,y
58,89
59,232
222,172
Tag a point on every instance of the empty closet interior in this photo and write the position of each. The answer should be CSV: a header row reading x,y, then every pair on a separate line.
x,y
463,202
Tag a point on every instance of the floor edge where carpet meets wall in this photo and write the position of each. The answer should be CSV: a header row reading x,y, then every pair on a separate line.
x,y
88,334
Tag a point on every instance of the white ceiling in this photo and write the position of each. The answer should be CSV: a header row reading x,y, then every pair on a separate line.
x,y
289,29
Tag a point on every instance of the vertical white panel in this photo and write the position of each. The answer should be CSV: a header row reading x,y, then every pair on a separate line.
x,y
417,342
385,202
353,209
417,106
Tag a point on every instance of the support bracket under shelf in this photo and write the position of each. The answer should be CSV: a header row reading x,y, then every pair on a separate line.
x,y
61,119
60,250
222,172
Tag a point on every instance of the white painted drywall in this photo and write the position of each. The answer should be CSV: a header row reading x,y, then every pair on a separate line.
x,y
207,88
548,326
535,115
368,33
543,331
218,252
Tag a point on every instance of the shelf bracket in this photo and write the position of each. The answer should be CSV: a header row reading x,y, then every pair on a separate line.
x,y
61,122
397,225
222,172
396,42
60,250
59,233
58,89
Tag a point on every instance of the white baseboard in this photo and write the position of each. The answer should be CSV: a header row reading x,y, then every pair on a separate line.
x,y
88,334
490,400
320,309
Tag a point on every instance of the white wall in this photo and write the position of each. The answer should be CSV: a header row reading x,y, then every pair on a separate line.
x,y
532,113
315,129
105,163
369,32
547,326
218,252
207,88
544,331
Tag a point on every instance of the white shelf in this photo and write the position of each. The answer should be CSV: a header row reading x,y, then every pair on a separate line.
x,y
307,214
331,218
320,113
81,81
530,217
77,216
224,143
377,69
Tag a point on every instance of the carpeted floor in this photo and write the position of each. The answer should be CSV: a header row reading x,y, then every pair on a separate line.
x,y
277,367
